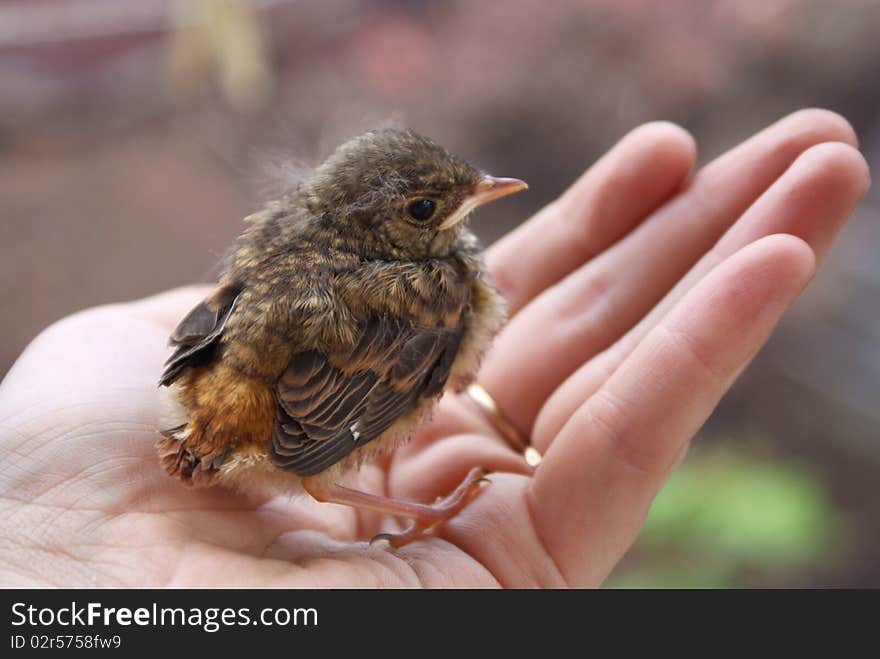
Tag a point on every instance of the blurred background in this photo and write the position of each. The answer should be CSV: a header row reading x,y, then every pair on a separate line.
x,y
135,135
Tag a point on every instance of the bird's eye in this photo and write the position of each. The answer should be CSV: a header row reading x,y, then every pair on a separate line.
x,y
421,209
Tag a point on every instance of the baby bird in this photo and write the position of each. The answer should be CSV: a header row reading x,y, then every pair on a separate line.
x,y
344,311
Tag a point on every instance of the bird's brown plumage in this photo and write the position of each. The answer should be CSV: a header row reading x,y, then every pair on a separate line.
x,y
337,323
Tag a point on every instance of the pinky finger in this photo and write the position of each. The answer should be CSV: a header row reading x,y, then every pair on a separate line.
x,y
596,483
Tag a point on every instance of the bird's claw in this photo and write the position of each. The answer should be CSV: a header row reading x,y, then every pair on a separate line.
x,y
445,508
381,536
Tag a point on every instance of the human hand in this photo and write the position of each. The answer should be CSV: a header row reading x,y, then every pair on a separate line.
x,y
638,297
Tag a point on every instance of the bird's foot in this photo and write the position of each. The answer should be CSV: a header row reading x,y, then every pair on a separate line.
x,y
441,511
426,517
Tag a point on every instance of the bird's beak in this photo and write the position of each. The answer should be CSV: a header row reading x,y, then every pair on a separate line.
x,y
488,189
491,188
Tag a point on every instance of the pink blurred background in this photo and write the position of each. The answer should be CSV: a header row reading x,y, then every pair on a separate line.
x,y
135,135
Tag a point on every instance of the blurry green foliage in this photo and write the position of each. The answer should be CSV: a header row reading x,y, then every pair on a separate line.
x,y
731,517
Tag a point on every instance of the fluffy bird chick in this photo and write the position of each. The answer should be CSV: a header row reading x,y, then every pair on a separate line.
x,y
345,310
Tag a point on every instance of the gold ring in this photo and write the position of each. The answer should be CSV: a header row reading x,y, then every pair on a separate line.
x,y
502,424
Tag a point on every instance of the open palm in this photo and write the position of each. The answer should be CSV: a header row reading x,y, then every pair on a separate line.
x,y
638,297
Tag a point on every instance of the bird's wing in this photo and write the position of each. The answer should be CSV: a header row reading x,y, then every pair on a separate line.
x,y
329,405
195,336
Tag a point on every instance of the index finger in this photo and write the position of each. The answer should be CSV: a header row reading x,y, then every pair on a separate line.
x,y
638,174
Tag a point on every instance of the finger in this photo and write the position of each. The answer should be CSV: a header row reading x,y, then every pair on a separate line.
x,y
811,200
591,308
166,309
594,487
616,193
435,470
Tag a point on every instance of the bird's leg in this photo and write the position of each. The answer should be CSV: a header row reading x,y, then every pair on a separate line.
x,y
425,516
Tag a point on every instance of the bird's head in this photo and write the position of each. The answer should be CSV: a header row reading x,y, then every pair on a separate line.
x,y
396,194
